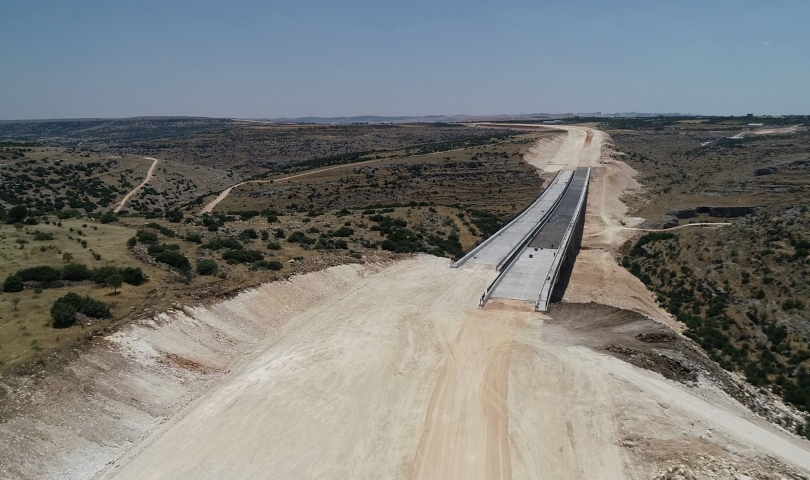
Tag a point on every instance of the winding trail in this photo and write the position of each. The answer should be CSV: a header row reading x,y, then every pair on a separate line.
x,y
132,192
209,207
678,227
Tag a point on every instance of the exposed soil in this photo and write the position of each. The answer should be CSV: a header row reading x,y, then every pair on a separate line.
x,y
135,190
391,371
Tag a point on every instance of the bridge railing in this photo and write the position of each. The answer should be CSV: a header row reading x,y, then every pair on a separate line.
x,y
497,234
544,297
527,239
506,263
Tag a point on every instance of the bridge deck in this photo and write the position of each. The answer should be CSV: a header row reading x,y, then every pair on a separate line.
x,y
505,240
524,278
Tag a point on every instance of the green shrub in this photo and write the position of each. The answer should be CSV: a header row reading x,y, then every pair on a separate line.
x,y
64,309
193,238
13,284
43,274
160,228
42,236
99,274
173,258
219,243
242,256
271,265
133,276
249,233
344,232
146,237
174,216
300,237
207,267
63,312
17,213
75,272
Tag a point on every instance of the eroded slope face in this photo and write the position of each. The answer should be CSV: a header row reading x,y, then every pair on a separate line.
x,y
349,373
404,377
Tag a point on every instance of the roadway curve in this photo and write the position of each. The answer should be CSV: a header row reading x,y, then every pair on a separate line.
x,y
132,192
581,147
209,207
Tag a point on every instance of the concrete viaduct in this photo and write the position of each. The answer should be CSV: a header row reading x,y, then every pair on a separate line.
x,y
530,251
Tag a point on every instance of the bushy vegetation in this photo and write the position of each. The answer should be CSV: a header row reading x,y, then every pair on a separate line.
x,y
776,358
173,258
207,267
242,255
193,237
218,243
401,239
486,222
267,265
49,277
300,238
65,308
160,228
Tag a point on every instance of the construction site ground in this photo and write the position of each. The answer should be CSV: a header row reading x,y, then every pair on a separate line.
x,y
391,371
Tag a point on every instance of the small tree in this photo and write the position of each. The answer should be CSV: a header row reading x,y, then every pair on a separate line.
x,y
63,312
207,267
174,216
114,281
13,283
67,256
17,213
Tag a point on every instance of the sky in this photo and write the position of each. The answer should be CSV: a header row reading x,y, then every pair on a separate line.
x,y
271,59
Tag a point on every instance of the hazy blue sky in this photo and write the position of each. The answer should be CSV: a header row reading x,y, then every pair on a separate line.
x,y
332,58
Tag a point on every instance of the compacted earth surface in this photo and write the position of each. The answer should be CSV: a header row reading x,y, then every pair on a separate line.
x,y
389,369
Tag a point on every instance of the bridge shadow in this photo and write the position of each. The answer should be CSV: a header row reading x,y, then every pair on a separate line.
x,y
570,258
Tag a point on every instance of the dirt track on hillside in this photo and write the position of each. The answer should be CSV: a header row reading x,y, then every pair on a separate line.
x,y
209,207
135,190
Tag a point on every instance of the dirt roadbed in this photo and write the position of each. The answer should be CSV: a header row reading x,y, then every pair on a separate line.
x,y
372,372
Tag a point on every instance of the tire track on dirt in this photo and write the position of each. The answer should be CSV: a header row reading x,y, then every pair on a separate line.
x,y
135,190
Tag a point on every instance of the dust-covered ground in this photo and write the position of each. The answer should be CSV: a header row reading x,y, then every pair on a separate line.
x,y
392,371
388,372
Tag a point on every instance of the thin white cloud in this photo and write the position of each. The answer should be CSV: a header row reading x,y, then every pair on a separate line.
x,y
766,43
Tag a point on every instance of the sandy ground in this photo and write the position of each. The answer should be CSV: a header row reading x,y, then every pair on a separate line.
x,y
766,131
393,372
405,378
129,195
402,376
541,153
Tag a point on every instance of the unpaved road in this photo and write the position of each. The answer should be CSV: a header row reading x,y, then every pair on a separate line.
x,y
209,207
403,377
393,372
132,192
581,147
766,131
